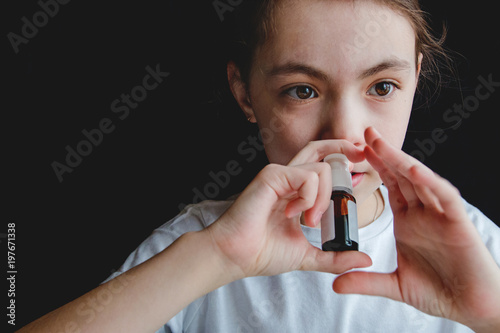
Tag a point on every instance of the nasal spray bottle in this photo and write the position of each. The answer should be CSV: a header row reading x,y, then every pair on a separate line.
x,y
339,224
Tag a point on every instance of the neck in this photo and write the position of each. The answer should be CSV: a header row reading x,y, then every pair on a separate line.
x,y
370,209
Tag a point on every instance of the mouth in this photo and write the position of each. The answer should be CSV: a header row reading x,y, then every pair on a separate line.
x,y
356,177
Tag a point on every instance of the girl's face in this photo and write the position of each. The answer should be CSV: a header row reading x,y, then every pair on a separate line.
x,y
330,70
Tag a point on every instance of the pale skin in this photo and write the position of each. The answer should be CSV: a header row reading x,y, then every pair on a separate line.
x,y
327,101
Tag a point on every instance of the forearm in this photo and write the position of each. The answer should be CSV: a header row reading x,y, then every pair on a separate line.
x,y
147,296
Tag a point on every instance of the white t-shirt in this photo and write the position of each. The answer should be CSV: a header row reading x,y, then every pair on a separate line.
x,y
301,301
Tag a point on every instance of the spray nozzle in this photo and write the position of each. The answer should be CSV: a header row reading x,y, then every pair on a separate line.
x,y
341,177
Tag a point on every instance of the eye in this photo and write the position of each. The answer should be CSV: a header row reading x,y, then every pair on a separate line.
x,y
301,92
382,89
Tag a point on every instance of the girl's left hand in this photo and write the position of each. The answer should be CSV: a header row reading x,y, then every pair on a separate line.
x,y
444,269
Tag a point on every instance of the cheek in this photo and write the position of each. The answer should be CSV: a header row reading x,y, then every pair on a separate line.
x,y
283,133
394,131
392,123
282,137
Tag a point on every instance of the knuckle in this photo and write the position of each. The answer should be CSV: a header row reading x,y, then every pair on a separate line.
x,y
267,173
311,175
325,167
312,144
314,177
447,183
271,168
454,188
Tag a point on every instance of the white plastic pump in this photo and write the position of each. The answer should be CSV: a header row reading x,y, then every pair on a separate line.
x,y
341,177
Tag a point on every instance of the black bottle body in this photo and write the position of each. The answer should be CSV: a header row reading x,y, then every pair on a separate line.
x,y
339,225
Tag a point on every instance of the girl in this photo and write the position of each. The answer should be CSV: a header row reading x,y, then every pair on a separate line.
x,y
325,77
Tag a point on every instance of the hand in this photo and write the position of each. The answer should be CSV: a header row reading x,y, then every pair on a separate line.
x,y
444,269
260,233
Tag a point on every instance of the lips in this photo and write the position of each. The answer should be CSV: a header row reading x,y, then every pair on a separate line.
x,y
356,178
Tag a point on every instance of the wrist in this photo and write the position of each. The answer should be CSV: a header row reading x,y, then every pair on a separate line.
x,y
491,327
485,316
217,244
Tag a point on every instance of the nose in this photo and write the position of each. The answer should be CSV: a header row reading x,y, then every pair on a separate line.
x,y
344,118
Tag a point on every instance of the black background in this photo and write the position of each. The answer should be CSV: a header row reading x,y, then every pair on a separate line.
x,y
71,235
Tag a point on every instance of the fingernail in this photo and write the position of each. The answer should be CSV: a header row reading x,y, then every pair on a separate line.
x,y
375,131
317,218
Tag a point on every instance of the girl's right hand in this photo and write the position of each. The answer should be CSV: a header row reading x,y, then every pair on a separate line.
x,y
260,234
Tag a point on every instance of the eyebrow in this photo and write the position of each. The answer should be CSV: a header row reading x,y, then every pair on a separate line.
x,y
392,63
299,68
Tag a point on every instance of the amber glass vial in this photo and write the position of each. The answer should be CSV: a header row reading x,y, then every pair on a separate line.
x,y
343,211
339,224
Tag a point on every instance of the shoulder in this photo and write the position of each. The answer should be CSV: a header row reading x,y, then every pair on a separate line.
x,y
193,217
199,215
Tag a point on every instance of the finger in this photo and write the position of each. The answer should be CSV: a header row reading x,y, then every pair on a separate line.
x,y
367,283
395,159
439,191
313,215
275,182
334,262
307,191
407,189
396,198
316,151
422,177
429,188
300,186
398,162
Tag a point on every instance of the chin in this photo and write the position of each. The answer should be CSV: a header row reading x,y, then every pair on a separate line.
x,y
365,188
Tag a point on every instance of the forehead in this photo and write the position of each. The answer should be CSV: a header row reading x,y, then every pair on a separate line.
x,y
340,37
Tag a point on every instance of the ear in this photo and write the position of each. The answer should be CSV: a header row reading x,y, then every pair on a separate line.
x,y
419,65
240,91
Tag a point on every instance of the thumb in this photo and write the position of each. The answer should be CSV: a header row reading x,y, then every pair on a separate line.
x,y
334,262
367,283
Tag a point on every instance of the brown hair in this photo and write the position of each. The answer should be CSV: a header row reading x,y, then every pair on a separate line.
x,y
257,24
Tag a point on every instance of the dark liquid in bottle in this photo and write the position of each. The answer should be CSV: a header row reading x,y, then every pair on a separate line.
x,y
342,240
